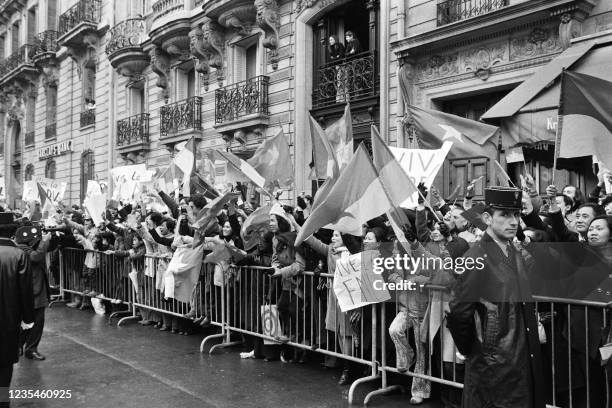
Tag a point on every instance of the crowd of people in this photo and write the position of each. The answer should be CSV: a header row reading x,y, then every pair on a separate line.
x,y
418,328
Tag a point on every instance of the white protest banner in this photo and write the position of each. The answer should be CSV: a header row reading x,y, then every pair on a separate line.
x,y
354,281
30,191
96,206
2,189
55,189
126,179
421,165
93,188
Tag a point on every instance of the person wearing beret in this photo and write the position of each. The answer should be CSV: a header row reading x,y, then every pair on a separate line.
x,y
492,316
17,306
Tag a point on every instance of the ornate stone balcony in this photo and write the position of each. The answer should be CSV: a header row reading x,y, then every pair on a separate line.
x,y
19,65
181,120
170,26
450,11
124,50
345,80
45,47
133,134
242,108
78,22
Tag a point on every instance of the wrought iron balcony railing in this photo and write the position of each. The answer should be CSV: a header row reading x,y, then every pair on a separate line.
x,y
20,57
128,33
88,117
132,130
29,138
450,11
85,11
50,131
46,42
183,115
345,80
241,99
163,8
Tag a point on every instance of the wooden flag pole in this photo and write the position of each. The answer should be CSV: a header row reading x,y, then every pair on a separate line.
x,y
559,129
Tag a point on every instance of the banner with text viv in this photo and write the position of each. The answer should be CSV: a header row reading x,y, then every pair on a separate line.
x,y
126,180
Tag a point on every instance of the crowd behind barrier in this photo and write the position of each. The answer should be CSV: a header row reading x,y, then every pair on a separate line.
x,y
247,299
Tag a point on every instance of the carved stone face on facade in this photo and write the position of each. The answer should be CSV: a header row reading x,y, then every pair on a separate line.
x,y
195,36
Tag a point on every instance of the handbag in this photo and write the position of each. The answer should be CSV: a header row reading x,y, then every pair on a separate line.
x,y
270,323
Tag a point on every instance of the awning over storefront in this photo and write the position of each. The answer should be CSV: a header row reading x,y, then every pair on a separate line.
x,y
524,93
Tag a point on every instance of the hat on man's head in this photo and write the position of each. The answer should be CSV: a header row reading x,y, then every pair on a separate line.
x,y
504,198
7,224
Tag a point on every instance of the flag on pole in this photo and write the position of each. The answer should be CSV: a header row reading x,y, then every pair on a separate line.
x,y
324,157
398,186
272,160
500,174
585,117
207,218
242,168
356,197
469,137
185,160
46,205
340,136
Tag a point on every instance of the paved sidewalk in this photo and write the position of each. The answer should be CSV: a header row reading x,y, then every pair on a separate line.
x,y
134,366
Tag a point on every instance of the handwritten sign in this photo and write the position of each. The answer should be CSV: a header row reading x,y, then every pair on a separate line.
x,y
126,179
55,189
93,188
96,206
354,281
421,165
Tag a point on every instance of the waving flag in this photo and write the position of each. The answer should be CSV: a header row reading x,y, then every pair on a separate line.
x,y
272,160
357,196
185,161
469,137
207,218
46,205
244,170
585,125
325,164
340,136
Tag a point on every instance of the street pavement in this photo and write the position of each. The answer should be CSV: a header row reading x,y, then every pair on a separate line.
x,y
132,366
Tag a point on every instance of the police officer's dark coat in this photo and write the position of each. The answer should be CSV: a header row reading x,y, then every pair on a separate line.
x,y
16,298
494,325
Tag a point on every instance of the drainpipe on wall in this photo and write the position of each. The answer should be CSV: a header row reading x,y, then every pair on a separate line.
x,y
384,68
401,19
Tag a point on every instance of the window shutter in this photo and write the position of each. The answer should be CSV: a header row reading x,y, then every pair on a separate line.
x,y
239,64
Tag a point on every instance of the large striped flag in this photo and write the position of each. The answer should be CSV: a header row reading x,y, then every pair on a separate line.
x,y
245,171
357,196
398,186
272,160
340,136
470,138
585,117
185,160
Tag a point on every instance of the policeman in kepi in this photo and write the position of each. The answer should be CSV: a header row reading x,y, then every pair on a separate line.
x,y
36,245
492,315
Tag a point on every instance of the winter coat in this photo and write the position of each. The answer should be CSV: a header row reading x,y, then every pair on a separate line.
x,y
40,279
496,328
289,260
17,296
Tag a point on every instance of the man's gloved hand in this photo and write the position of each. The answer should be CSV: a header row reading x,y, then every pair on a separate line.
x,y
409,233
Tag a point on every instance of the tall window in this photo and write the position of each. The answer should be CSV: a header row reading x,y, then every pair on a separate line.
x,y
31,114
29,172
89,84
51,111
15,37
245,59
50,169
52,14
2,120
17,138
32,25
185,82
2,45
136,98
87,171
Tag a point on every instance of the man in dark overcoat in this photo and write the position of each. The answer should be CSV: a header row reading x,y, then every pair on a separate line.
x,y
492,315
16,301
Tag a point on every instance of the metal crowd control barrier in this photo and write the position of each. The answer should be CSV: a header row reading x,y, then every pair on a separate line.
x,y
303,312
233,298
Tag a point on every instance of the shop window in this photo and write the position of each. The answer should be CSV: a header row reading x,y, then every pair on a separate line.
x,y
50,169
29,172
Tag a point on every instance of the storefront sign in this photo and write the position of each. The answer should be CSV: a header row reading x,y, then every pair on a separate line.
x,y
55,150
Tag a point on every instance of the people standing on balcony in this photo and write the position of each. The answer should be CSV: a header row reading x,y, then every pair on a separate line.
x,y
337,87
353,46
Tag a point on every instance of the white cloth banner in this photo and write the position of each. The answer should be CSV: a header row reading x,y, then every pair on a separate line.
x,y
55,189
93,188
421,165
96,206
126,179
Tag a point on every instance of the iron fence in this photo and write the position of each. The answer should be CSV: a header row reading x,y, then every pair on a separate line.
x,y
127,34
241,99
134,129
85,11
450,11
182,115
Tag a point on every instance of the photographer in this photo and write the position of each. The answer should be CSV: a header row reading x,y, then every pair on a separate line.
x,y
35,246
